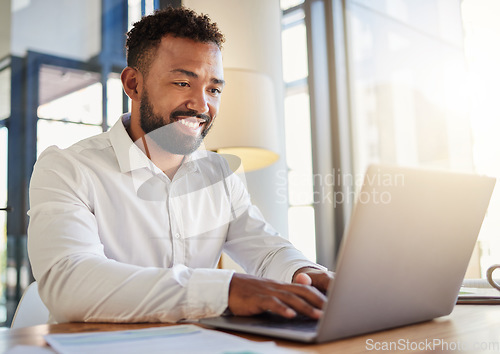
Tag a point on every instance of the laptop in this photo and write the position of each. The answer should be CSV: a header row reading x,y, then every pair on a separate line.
x,y
402,259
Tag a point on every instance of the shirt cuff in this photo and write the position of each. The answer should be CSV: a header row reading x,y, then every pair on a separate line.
x,y
289,274
208,292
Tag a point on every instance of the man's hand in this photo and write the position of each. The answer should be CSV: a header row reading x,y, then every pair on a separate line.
x,y
249,295
311,276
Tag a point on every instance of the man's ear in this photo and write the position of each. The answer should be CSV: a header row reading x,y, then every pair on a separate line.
x,y
132,81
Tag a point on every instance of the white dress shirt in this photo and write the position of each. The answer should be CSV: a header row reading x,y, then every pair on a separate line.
x,y
112,238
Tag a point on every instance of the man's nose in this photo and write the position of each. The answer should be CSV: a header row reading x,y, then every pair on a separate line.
x,y
198,102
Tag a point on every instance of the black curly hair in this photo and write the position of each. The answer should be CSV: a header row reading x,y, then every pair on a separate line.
x,y
145,36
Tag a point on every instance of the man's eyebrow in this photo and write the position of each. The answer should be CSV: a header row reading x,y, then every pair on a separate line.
x,y
195,75
185,72
218,81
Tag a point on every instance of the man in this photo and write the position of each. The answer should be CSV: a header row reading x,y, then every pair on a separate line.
x,y
128,226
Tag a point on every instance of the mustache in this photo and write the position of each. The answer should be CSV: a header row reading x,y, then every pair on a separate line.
x,y
190,113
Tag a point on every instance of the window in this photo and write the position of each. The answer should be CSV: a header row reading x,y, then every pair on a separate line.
x,y
3,222
5,79
410,90
301,222
482,51
407,84
70,106
417,82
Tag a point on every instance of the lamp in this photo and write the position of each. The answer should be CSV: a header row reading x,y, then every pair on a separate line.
x,y
246,124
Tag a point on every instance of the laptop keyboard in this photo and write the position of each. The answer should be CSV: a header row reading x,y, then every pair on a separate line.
x,y
300,322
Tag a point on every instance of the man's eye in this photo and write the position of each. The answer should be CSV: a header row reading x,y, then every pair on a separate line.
x,y
182,84
215,91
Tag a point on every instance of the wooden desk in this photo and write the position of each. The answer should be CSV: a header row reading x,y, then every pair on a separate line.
x,y
468,327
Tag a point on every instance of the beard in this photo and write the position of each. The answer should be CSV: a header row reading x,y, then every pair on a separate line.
x,y
165,134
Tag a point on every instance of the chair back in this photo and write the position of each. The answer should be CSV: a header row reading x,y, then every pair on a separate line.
x,y
31,310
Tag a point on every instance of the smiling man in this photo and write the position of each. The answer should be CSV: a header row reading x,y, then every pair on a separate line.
x,y
185,82
128,226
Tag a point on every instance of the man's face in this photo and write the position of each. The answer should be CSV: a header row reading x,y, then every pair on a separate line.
x,y
181,94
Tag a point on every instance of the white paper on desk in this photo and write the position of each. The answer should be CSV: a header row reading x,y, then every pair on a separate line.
x,y
490,293
29,349
185,339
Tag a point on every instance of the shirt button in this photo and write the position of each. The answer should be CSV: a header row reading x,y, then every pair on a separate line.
x,y
177,236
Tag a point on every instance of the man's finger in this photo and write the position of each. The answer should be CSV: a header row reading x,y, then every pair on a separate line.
x,y
300,298
303,279
304,299
274,305
321,281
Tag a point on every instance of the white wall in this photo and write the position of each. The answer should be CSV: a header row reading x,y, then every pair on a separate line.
x,y
253,41
67,28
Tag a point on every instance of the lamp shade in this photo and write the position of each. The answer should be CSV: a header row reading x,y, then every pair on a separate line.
x,y
246,125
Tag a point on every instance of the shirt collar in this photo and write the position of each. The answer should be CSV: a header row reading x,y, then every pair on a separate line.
x,y
129,156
